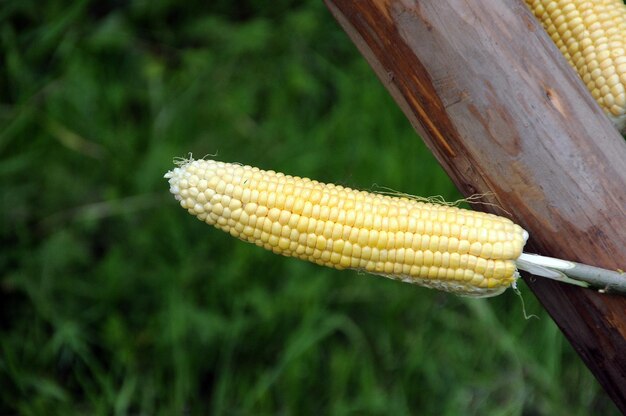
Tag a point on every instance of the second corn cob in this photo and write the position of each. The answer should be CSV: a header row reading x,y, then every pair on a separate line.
x,y
438,246
592,37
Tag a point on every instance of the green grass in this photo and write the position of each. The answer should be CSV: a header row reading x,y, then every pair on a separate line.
x,y
115,301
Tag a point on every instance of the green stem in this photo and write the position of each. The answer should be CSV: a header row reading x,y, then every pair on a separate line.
x,y
574,273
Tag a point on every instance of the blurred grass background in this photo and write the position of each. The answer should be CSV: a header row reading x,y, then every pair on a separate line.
x,y
116,301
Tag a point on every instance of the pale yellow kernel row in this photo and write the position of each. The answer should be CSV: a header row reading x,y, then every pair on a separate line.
x,y
399,216
403,261
335,223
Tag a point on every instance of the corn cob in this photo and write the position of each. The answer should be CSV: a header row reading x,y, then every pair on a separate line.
x,y
438,246
592,36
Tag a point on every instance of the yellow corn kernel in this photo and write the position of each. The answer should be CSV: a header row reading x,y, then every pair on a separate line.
x,y
438,246
592,37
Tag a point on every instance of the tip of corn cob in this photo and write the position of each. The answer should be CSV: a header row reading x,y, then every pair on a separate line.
x,y
438,246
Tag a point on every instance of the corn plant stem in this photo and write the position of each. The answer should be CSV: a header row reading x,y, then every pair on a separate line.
x,y
602,279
